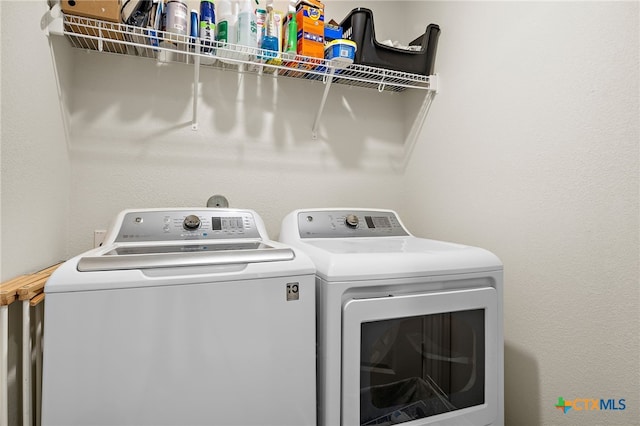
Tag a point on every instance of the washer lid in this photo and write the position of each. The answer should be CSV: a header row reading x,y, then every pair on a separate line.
x,y
122,257
339,259
137,266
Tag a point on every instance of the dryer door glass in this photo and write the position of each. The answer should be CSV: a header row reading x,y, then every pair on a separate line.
x,y
420,357
421,366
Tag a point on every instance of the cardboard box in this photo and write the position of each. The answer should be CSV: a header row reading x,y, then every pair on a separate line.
x,y
310,20
313,3
103,30
332,31
104,10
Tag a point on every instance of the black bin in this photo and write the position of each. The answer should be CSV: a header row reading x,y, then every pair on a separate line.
x,y
358,27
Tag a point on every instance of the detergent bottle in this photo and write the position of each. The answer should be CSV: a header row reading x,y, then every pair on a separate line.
x,y
247,31
290,41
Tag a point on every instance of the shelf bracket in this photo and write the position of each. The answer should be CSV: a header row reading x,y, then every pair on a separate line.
x,y
381,85
100,42
327,85
434,81
51,21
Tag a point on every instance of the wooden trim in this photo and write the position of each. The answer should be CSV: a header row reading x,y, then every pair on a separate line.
x,y
25,287
8,289
37,300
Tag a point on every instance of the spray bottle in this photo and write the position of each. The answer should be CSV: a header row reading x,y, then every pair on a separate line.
x,y
291,30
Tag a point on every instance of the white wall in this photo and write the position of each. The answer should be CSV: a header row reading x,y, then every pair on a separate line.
x,y
35,166
34,163
531,150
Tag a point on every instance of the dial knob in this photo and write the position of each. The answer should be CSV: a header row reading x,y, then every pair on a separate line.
x,y
191,222
352,221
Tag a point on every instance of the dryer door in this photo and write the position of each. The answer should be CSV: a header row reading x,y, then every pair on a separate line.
x,y
430,356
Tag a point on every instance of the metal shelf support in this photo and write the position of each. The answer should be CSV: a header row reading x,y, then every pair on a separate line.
x,y
327,86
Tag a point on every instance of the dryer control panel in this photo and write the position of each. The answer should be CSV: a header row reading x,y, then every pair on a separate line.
x,y
180,225
349,223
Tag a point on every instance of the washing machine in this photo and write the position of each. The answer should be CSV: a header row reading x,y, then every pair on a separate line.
x,y
181,317
409,329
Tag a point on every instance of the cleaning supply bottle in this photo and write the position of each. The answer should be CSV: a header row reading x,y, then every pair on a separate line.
x,y
270,39
247,31
207,26
225,26
225,29
261,21
290,40
270,25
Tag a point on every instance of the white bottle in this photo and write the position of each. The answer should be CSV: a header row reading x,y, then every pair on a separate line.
x,y
247,28
225,29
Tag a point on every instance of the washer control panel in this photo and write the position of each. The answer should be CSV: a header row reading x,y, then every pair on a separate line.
x,y
187,225
348,223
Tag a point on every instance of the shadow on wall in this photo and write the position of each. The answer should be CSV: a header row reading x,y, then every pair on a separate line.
x,y
133,107
521,387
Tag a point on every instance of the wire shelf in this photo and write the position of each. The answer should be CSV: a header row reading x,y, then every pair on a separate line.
x,y
166,47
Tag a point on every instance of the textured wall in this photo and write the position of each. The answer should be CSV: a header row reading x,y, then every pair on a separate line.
x,y
34,163
531,150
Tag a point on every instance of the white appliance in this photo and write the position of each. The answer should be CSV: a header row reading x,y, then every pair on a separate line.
x,y
409,329
182,317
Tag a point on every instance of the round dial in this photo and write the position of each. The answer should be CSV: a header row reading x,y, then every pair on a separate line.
x,y
351,221
191,222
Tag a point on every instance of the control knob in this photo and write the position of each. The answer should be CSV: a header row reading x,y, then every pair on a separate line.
x,y
191,222
352,221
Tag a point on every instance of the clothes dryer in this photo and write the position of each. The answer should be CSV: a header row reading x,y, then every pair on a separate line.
x,y
409,329
182,317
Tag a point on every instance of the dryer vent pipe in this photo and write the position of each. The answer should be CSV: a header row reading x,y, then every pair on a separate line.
x,y
219,201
